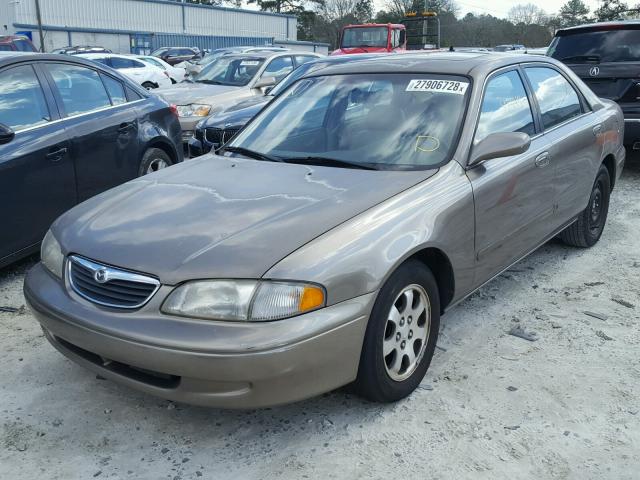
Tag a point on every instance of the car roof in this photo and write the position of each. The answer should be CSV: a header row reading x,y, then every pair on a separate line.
x,y
261,55
105,55
474,64
594,27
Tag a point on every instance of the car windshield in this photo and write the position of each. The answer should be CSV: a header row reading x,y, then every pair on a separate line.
x,y
232,71
382,121
5,48
364,37
597,46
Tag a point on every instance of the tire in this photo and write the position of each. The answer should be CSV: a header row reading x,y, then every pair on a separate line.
x,y
381,378
588,228
153,160
149,85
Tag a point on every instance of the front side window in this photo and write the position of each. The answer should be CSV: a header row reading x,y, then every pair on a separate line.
x,y
22,101
80,88
231,71
382,121
556,97
119,63
279,68
505,107
364,37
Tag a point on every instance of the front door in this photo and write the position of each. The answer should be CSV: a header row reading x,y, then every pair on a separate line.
x,y
102,126
514,196
37,181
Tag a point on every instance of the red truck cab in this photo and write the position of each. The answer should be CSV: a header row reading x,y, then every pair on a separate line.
x,y
372,38
17,43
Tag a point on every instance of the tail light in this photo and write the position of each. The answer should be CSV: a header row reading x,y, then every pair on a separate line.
x,y
174,110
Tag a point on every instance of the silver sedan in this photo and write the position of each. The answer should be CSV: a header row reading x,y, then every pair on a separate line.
x,y
321,246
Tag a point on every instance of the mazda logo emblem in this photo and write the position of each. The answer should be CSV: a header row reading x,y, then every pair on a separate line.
x,y
594,71
101,276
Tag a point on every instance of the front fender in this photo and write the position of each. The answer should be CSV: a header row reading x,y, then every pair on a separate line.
x,y
356,257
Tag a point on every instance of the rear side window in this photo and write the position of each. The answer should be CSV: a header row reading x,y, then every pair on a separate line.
x,y
117,62
80,88
103,61
22,101
599,46
115,90
505,107
556,97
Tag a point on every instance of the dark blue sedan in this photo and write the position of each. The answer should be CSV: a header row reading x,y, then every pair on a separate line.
x,y
70,129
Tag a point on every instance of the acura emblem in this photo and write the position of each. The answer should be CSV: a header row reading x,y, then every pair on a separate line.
x,y
594,71
101,276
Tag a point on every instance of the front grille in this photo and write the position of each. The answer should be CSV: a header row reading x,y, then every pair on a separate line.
x,y
213,135
109,286
228,134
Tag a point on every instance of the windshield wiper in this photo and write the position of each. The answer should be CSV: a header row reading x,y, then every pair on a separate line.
x,y
586,58
251,154
328,162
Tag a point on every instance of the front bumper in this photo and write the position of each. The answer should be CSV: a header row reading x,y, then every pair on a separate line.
x,y
219,364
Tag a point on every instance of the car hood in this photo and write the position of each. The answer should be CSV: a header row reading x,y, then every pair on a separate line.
x,y
221,217
235,118
187,92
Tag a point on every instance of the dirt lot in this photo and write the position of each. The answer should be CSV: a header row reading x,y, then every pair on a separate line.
x,y
492,405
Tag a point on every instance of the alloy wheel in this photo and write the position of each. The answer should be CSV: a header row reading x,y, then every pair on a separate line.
x,y
406,332
157,164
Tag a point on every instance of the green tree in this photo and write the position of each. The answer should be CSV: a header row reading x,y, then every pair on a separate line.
x,y
284,6
574,12
611,10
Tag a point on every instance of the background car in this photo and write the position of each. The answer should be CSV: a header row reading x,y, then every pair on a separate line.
x,y
194,68
70,129
176,74
228,79
17,43
145,74
510,48
81,49
606,56
174,55
213,132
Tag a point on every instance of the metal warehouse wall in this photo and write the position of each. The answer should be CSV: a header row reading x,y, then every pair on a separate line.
x,y
160,16
206,42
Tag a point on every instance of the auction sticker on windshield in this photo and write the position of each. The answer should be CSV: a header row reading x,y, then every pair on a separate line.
x,y
437,86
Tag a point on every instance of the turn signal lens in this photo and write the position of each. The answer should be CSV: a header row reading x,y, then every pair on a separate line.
x,y
312,297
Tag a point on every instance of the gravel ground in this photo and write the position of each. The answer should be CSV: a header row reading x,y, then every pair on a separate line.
x,y
492,405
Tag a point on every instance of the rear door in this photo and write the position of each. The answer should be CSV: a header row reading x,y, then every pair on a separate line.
x,y
513,196
102,125
575,135
37,180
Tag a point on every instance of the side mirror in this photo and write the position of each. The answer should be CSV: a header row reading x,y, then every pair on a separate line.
x,y
403,37
498,145
265,82
6,134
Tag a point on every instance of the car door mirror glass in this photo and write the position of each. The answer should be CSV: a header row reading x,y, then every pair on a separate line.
x,y
6,134
265,82
499,145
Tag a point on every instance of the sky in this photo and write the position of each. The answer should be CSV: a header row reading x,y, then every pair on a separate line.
x,y
500,8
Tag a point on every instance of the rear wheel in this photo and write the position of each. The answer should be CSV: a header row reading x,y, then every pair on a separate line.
x,y
401,335
588,228
153,160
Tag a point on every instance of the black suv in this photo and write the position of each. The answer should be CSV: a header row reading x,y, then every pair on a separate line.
x,y
70,129
606,56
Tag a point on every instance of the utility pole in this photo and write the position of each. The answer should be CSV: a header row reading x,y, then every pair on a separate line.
x,y
39,18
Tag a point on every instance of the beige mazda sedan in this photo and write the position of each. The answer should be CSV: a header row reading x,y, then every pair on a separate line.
x,y
322,244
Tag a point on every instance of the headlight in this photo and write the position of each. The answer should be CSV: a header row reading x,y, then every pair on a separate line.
x,y
243,300
194,110
51,255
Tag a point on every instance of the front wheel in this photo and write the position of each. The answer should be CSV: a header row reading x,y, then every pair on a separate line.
x,y
149,85
153,160
587,229
401,335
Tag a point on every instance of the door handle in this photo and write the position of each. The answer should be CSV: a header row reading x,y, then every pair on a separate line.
x,y
125,127
597,130
56,155
542,160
